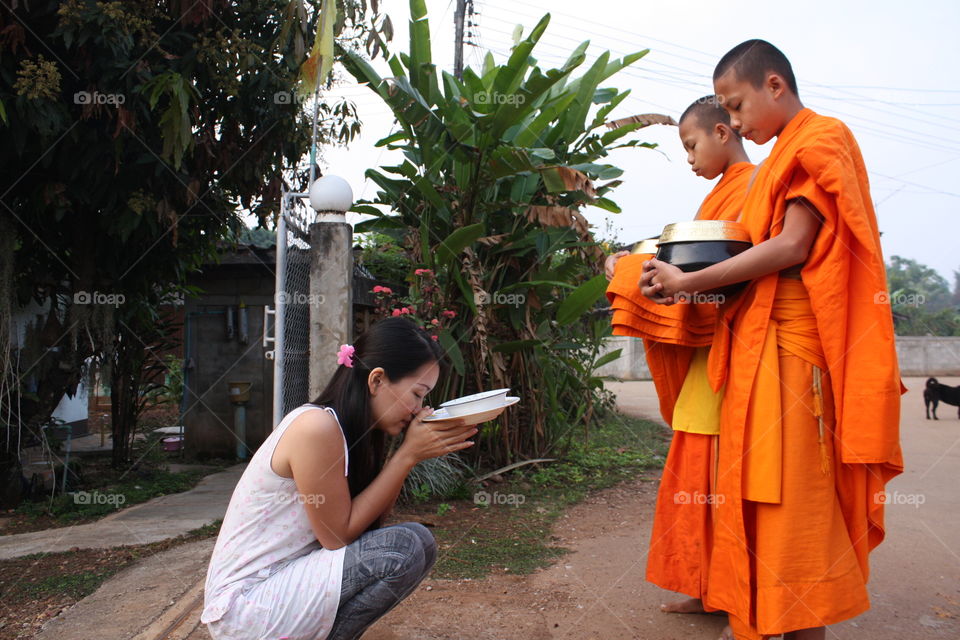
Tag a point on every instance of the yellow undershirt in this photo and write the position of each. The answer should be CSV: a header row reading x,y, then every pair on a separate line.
x,y
698,407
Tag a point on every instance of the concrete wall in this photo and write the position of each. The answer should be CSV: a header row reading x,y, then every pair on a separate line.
x,y
928,356
918,355
631,365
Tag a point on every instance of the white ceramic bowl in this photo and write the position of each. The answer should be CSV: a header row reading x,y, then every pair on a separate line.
x,y
474,418
475,403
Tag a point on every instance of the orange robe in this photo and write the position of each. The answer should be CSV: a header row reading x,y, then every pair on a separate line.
x,y
680,541
809,430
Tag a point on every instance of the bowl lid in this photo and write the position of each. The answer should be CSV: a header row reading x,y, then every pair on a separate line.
x,y
647,245
474,397
704,230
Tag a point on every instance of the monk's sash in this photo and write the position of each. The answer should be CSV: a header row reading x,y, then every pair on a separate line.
x,y
792,329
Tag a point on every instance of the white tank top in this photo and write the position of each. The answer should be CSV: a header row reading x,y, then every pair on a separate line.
x,y
265,525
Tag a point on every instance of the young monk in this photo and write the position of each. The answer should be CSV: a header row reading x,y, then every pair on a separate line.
x,y
809,430
676,342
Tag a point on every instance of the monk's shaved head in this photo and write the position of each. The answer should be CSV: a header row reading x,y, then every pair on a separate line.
x,y
707,112
753,60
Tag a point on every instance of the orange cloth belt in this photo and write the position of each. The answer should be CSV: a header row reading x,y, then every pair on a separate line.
x,y
792,329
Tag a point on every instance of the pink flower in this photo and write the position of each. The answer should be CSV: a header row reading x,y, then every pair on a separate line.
x,y
405,310
434,322
423,272
377,289
447,313
396,312
345,357
385,290
435,338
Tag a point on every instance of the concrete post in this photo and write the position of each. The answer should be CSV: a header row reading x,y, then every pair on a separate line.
x,y
331,298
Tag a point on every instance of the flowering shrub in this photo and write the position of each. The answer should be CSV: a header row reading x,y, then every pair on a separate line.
x,y
422,304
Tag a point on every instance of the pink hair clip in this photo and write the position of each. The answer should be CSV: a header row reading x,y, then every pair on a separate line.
x,y
345,357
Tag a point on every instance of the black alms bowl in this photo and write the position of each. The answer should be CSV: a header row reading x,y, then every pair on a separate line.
x,y
697,244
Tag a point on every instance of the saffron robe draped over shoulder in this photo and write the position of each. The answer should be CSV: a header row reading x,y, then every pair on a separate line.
x,y
795,555
680,541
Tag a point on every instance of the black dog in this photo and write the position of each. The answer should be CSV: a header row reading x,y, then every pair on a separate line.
x,y
935,393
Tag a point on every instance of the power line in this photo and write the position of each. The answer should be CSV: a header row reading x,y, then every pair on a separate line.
x,y
915,184
895,135
861,86
936,141
923,188
711,57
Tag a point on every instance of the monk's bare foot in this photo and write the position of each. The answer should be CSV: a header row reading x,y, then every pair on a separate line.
x,y
727,633
690,605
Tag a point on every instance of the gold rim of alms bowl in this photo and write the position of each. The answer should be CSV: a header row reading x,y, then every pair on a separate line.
x,y
704,230
647,245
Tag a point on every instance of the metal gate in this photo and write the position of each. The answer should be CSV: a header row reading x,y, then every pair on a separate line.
x,y
291,326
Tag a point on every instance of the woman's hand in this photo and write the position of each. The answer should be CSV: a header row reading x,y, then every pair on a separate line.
x,y
662,282
610,265
424,440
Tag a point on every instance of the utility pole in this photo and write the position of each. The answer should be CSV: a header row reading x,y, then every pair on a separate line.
x,y
459,16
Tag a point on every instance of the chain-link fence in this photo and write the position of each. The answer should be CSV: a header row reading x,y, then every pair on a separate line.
x,y
292,320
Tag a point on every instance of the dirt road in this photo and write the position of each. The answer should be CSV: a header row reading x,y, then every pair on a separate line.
x,y
598,590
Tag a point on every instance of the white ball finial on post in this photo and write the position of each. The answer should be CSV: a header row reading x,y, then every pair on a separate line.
x,y
331,197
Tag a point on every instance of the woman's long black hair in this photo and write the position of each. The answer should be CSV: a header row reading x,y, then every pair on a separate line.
x,y
399,347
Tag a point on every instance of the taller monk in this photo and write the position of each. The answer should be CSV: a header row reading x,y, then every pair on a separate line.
x,y
809,428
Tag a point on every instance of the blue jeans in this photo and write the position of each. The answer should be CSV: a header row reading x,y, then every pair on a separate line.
x,y
381,568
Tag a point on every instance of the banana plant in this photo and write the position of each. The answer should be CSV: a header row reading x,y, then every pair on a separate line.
x,y
497,168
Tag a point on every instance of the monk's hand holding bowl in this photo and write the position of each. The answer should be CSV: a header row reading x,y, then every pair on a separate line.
x,y
661,282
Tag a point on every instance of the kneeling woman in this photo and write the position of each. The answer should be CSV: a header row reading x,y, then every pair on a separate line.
x,y
301,554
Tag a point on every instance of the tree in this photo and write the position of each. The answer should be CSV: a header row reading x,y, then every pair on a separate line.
x,y
921,300
135,133
497,167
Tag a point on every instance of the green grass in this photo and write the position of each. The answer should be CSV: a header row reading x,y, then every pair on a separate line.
x,y
513,535
75,585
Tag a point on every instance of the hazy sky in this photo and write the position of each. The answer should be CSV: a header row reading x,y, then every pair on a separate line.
x,y
887,69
